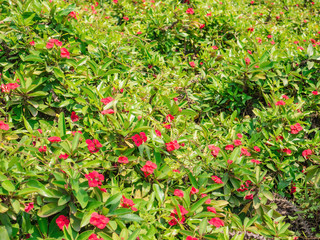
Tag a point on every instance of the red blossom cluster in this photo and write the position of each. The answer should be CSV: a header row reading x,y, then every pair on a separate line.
x,y
139,138
62,221
99,221
127,203
296,128
4,126
64,53
217,222
95,179
93,145
214,150
172,146
6,88
149,168
175,219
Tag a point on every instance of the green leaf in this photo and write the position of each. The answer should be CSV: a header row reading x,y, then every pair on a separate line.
x,y
33,58
75,141
159,193
130,217
3,233
62,124
193,180
82,197
27,125
85,235
310,50
203,226
114,199
198,204
134,235
50,209
7,185
58,72
43,225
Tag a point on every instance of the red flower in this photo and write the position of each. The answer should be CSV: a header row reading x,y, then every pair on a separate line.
x,y
251,29
107,100
63,156
139,33
202,26
214,150
315,93
167,126
217,222
74,117
29,207
99,221
149,168
245,152
280,103
300,48
293,190
211,209
286,150
247,60
126,18
192,64
215,47
73,14
10,86
249,197
158,133
169,117
295,129
216,179
256,148
42,149
123,160
285,97
54,139
4,126
127,203
62,221
249,52
194,190
107,111
178,193
237,142
191,238
94,237
172,145
255,161
229,161
183,211
94,179
93,145
32,43
176,170
307,153
64,53
190,11
229,147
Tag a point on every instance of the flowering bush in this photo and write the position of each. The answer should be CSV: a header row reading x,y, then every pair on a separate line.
x,y
118,121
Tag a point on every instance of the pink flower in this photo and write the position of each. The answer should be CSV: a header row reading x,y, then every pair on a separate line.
x,y
64,53
214,150
4,126
229,161
172,146
107,111
127,203
315,93
29,207
62,221
32,43
54,139
295,129
286,150
239,135
194,190
249,52
215,47
256,148
255,161
216,179
138,33
217,222
247,60
190,11
280,103
107,100
178,193
93,145
191,238
237,142
139,138
149,168
73,14
192,64
211,209
126,18
307,153
94,237
300,48
158,133
229,147
94,179
285,97
63,156
176,170
169,117
42,149
245,152
8,87
99,221
123,159
202,26
273,42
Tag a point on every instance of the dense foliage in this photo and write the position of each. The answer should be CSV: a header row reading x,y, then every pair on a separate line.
x,y
148,119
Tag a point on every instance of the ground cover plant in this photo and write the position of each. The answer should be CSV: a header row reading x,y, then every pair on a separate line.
x,y
148,119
